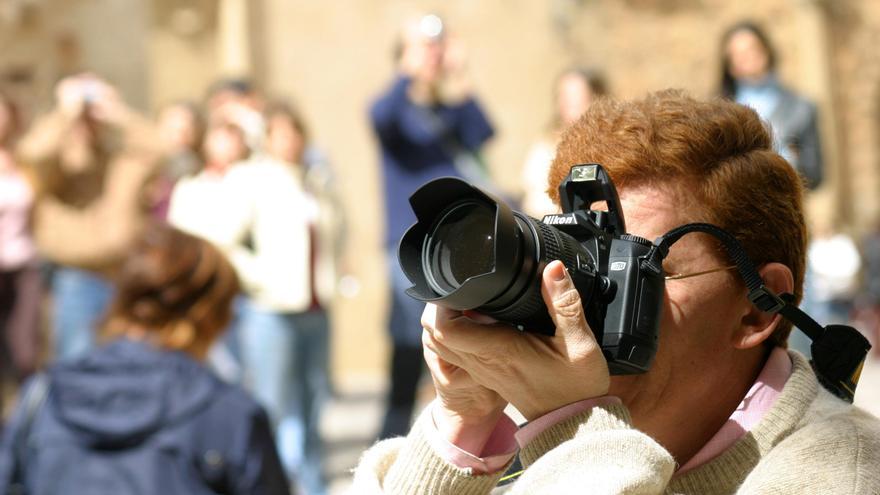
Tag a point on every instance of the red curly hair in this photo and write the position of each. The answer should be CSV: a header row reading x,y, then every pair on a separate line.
x,y
717,152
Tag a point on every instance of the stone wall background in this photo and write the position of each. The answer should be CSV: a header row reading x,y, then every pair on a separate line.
x,y
332,58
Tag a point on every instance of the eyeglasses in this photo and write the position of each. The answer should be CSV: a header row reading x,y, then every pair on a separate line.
x,y
679,276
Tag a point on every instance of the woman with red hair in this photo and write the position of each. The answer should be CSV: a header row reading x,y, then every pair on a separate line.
x,y
724,407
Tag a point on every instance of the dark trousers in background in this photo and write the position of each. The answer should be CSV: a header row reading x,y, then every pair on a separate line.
x,y
406,371
407,361
21,293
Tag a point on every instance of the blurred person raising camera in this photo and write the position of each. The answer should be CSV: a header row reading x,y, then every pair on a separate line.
x,y
428,124
20,278
141,414
92,157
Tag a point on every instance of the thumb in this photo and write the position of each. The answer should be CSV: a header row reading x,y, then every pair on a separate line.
x,y
563,302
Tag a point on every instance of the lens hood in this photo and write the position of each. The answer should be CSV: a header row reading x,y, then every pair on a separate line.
x,y
430,203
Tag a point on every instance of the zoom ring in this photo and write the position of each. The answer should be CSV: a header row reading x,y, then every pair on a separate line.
x,y
555,245
559,246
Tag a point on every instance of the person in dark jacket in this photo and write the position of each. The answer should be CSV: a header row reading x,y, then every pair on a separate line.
x,y
142,415
749,77
429,125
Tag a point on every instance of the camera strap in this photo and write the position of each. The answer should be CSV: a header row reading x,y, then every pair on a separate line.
x,y
839,351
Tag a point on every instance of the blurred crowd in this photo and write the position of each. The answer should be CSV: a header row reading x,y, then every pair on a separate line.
x,y
82,184
82,187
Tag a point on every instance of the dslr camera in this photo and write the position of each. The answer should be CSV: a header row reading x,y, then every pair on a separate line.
x,y
469,251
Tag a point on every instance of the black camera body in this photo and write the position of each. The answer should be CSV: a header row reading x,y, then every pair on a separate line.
x,y
625,312
470,251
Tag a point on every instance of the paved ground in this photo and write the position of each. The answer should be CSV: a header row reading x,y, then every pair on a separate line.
x,y
350,424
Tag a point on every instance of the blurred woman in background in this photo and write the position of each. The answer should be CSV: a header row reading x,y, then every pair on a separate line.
x,y
748,76
20,281
285,250
181,129
141,414
206,204
199,202
575,89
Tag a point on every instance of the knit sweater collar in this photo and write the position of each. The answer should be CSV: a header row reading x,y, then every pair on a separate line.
x,y
727,471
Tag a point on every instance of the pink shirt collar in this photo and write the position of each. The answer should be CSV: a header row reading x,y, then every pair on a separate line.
x,y
759,399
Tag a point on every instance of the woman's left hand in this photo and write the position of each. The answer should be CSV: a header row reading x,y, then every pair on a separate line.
x,y
466,412
535,373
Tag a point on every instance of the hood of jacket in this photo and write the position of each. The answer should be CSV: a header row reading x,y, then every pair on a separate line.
x,y
120,394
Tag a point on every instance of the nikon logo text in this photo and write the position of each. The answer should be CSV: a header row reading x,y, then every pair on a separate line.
x,y
559,220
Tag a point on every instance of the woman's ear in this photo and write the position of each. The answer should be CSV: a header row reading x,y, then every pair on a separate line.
x,y
757,326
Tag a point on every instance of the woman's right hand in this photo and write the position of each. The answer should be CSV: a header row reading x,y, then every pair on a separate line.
x,y
466,413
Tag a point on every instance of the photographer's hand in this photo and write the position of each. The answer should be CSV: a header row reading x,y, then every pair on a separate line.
x,y
466,412
535,373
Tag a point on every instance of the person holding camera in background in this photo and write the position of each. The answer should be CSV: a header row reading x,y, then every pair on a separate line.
x,y
92,157
283,235
724,408
429,125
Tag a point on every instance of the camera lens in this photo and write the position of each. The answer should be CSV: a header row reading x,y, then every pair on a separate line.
x,y
469,250
461,245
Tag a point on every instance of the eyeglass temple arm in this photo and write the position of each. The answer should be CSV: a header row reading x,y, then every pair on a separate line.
x,y
679,276
839,351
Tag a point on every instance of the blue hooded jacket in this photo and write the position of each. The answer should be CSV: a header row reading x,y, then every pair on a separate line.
x,y
130,419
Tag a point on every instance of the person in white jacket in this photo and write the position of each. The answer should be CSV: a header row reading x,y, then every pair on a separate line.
x,y
204,204
282,259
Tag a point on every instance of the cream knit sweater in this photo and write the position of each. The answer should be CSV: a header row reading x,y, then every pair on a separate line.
x,y
809,442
